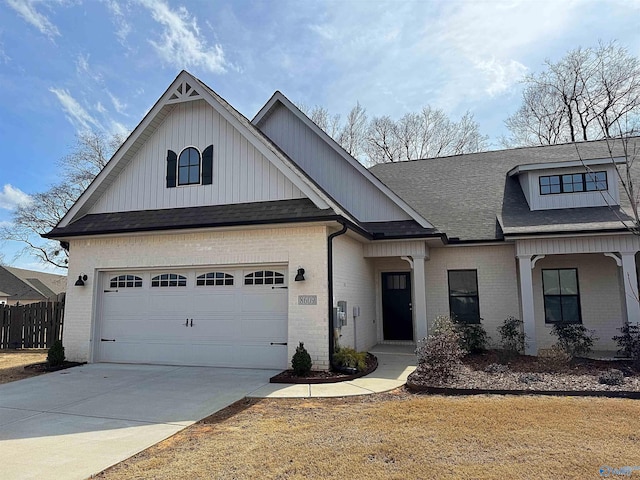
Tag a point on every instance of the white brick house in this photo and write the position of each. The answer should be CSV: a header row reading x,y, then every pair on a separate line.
x,y
209,239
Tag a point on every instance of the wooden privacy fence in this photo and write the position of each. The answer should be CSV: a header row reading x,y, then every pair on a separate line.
x,y
36,325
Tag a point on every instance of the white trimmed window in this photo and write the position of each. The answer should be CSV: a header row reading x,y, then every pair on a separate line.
x,y
125,281
264,277
169,280
214,279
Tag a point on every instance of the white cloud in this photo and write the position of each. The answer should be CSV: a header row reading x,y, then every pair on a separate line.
x,y
27,10
181,44
118,128
500,75
83,68
120,19
117,104
76,113
100,108
12,197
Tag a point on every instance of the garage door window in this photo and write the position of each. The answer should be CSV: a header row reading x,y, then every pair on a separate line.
x,y
264,277
125,281
214,279
169,280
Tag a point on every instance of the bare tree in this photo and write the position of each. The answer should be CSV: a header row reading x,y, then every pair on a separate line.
x,y
321,117
352,133
583,96
88,156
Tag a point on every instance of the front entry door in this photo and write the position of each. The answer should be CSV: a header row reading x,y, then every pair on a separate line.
x,y
396,306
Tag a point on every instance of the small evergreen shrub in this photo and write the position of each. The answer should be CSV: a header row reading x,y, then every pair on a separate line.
x,y
512,336
301,361
629,342
55,355
574,338
349,357
612,377
473,337
440,355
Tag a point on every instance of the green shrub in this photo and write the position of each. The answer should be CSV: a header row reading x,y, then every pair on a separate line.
x,y
55,356
440,354
349,357
629,342
301,361
512,336
574,338
473,337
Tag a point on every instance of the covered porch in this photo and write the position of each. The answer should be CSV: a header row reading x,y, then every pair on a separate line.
x,y
588,279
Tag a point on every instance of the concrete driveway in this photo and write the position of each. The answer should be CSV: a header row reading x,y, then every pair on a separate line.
x,y
76,422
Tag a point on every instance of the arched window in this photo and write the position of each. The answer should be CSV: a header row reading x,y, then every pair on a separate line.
x,y
169,280
264,277
125,281
214,279
189,166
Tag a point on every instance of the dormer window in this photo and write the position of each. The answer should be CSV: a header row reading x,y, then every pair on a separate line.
x,y
573,183
189,167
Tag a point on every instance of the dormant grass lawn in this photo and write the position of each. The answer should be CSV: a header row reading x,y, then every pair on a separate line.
x,y
12,363
400,436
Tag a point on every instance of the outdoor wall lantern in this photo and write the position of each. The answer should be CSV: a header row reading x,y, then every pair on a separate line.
x,y
80,281
300,275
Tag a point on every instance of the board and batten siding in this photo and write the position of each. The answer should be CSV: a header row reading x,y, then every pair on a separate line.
x,y
325,166
240,172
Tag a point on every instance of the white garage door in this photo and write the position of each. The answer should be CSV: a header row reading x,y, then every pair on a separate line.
x,y
208,317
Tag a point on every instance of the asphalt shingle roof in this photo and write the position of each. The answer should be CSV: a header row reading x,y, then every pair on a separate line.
x,y
465,195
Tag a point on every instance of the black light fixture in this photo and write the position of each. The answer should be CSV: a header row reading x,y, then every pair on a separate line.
x,y
80,281
300,275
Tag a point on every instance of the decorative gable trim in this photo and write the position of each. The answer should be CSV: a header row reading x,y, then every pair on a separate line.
x,y
279,98
176,92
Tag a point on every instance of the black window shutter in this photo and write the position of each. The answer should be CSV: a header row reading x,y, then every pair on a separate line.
x,y
172,164
207,166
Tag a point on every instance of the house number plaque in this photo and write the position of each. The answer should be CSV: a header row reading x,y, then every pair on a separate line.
x,y
307,299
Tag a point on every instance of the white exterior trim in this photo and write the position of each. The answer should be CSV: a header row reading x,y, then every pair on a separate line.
x,y
576,163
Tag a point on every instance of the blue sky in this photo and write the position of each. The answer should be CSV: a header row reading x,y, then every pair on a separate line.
x,y
69,65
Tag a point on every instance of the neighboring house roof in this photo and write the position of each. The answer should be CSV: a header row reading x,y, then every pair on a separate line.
x,y
467,196
23,284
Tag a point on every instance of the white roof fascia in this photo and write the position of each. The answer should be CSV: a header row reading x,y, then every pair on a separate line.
x,y
318,198
575,163
279,97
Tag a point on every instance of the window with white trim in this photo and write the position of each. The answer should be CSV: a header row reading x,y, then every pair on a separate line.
x,y
169,280
561,295
189,167
125,281
214,279
264,277
573,183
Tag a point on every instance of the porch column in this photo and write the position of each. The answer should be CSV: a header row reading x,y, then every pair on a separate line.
x,y
526,297
630,280
420,300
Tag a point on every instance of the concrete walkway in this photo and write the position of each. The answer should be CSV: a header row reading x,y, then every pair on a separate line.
x,y
395,363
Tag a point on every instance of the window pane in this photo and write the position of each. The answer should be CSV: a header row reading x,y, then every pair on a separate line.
x,y
554,180
463,282
465,309
550,282
555,188
194,174
552,309
568,282
545,190
570,309
194,157
544,181
184,159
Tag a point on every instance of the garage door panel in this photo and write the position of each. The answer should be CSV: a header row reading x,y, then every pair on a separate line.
x,y
233,325
264,301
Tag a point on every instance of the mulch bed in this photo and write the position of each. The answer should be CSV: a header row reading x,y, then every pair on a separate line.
x,y
44,366
328,376
525,375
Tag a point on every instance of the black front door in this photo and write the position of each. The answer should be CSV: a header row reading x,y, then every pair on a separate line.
x,y
396,306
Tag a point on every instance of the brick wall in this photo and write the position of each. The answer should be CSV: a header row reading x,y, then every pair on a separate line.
x,y
291,246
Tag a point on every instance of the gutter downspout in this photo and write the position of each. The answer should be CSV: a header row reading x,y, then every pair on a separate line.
x,y
330,282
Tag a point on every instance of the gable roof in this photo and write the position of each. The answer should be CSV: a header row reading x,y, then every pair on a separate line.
x,y
278,99
20,284
471,198
176,93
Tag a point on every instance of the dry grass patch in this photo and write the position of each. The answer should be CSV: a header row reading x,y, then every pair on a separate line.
x,y
400,436
12,363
